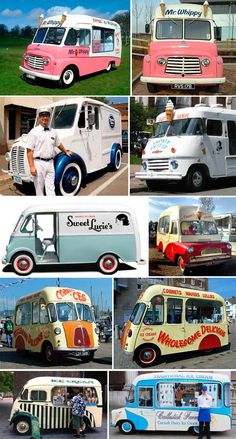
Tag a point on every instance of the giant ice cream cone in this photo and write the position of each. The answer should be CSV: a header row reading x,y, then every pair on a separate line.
x,y
63,18
169,111
162,6
41,18
205,8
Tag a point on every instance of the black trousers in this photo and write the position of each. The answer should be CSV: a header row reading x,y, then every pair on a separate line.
x,y
207,430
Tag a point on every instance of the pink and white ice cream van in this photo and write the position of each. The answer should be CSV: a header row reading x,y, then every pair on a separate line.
x,y
69,46
182,51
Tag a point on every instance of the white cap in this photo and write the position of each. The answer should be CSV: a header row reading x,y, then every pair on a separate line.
x,y
44,110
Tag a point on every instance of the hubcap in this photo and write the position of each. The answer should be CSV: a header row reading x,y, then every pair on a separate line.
x,y
23,264
118,159
49,354
147,356
197,179
126,426
74,181
108,263
68,76
22,427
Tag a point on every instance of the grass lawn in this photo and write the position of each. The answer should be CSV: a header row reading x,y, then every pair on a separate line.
x,y
115,82
134,160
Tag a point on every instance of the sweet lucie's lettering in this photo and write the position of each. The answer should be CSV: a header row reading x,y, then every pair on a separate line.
x,y
166,340
91,224
189,12
76,295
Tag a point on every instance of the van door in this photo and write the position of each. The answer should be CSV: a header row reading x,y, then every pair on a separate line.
x,y
216,144
175,327
231,156
146,411
94,137
45,238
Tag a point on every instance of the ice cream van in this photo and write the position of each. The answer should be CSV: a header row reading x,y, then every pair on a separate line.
x,y
87,127
190,145
105,235
182,51
56,321
169,320
153,402
49,397
188,237
67,47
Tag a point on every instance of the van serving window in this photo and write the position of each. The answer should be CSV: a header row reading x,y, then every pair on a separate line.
x,y
38,395
145,396
214,127
23,314
102,40
204,311
182,394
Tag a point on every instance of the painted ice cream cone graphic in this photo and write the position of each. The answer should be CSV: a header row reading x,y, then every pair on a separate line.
x,y
169,110
41,18
63,18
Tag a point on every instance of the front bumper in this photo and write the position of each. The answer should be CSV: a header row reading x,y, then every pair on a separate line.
x,y
152,175
210,260
197,81
39,75
4,260
73,351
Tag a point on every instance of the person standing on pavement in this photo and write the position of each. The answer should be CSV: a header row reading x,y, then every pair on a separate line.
x,y
42,142
78,409
1,332
204,414
8,328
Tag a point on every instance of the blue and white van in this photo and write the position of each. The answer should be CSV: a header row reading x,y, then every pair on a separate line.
x,y
152,402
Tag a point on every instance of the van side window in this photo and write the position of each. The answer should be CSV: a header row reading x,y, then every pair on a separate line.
x,y
35,312
154,314
84,36
81,122
27,226
174,228
59,396
43,312
71,39
102,40
164,224
174,310
23,314
231,125
145,396
38,395
52,312
96,110
214,127
204,311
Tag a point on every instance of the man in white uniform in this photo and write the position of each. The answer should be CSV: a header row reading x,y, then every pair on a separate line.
x,y
42,142
204,415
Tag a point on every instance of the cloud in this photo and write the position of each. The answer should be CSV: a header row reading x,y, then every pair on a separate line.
x,y
11,13
120,11
35,13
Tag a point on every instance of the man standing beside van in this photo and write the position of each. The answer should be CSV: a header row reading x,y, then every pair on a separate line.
x,y
78,409
8,327
42,142
204,415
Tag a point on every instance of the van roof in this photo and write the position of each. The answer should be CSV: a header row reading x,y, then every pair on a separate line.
x,y
81,100
195,376
182,211
199,111
53,294
51,381
76,207
168,291
73,20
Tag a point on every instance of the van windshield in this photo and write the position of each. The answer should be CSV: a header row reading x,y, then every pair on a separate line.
x,y
66,312
49,35
85,312
131,394
137,313
63,116
175,29
198,228
180,127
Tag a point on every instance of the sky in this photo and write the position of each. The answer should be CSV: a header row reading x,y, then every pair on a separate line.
x,y
226,287
11,289
23,13
158,204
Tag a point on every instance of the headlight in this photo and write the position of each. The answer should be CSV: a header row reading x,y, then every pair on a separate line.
x,y
205,62
144,165
46,62
26,57
174,164
161,61
190,249
57,331
7,156
229,246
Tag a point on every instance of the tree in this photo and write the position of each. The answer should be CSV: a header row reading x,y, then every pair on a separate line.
x,y
27,32
137,11
123,20
3,30
15,31
207,203
6,382
137,116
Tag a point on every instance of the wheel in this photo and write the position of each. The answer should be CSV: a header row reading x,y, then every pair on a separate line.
x,y
108,264
71,180
194,430
109,67
195,179
49,354
115,166
126,427
215,88
151,184
181,265
87,358
67,77
23,264
147,356
22,426
152,88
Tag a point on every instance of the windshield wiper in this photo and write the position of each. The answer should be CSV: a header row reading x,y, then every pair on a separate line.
x,y
62,108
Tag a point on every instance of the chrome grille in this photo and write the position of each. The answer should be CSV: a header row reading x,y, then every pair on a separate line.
x,y
17,160
211,251
35,62
179,65
158,164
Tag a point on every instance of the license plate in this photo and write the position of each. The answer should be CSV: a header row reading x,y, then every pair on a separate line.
x,y
183,86
17,179
30,76
81,354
